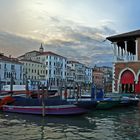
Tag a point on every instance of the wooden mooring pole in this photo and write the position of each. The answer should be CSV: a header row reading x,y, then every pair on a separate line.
x,y
43,101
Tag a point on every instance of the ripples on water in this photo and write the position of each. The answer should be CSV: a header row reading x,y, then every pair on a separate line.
x,y
117,124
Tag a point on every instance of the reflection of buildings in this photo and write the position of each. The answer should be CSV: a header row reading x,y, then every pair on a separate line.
x,y
126,68
10,68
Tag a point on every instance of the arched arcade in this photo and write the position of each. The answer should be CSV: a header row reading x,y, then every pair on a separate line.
x,y
127,80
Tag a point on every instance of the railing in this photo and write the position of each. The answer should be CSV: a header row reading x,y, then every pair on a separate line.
x,y
126,58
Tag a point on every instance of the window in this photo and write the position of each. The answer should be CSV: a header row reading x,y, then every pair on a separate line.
x,y
15,76
7,75
20,68
20,76
49,72
12,67
5,66
4,74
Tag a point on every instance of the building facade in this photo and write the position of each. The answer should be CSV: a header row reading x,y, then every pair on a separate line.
x,y
78,71
33,71
58,70
70,75
55,67
88,75
29,55
11,70
103,77
126,67
98,78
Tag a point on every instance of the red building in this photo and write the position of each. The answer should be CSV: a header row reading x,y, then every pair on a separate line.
x,y
126,67
98,78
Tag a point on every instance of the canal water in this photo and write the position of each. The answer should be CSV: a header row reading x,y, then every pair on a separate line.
x,y
116,124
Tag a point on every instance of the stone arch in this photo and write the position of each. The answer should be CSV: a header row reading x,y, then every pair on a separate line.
x,y
137,76
129,71
137,85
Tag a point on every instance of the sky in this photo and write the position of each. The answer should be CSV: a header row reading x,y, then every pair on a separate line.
x,y
72,28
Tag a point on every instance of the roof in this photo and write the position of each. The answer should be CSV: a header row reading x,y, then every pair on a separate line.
x,y
128,35
28,53
9,59
73,61
97,71
33,51
30,61
21,56
51,53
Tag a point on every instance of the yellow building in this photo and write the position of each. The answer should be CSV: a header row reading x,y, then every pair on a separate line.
x,y
33,72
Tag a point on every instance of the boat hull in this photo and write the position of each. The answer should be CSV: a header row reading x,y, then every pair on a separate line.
x,y
48,110
129,102
83,103
107,104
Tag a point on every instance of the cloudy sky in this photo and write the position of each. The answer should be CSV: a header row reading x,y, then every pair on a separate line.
x,y
73,28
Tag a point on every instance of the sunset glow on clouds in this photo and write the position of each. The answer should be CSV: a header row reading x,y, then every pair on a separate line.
x,y
74,29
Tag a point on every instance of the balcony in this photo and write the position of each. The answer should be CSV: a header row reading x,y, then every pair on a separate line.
x,y
125,58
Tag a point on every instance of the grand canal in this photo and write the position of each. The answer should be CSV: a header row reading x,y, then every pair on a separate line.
x,y
116,124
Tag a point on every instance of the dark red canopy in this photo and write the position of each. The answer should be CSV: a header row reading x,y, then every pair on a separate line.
x,y
127,77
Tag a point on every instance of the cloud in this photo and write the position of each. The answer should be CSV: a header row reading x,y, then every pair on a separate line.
x,y
15,45
69,39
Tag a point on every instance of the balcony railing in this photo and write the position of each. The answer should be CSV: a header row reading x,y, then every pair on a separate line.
x,y
126,58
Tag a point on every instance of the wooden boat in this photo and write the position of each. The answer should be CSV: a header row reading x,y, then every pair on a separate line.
x,y
107,104
97,95
110,102
128,101
86,103
34,106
